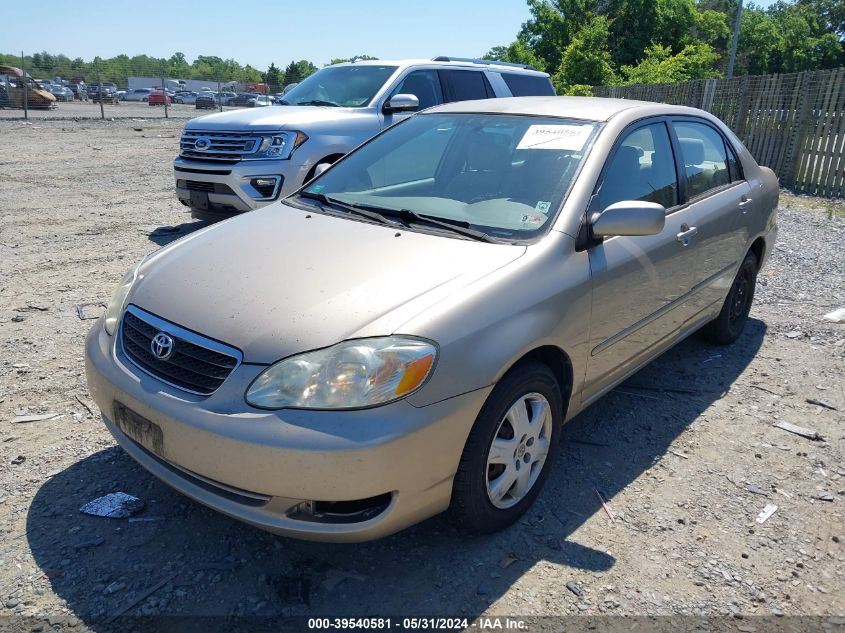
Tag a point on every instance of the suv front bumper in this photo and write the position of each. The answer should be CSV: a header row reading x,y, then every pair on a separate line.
x,y
215,190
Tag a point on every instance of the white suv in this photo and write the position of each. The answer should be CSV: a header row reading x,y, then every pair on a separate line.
x,y
236,161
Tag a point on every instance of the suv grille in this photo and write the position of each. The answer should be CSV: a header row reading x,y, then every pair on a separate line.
x,y
196,364
218,145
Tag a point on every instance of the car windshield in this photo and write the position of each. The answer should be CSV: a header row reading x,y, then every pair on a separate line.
x,y
505,176
350,86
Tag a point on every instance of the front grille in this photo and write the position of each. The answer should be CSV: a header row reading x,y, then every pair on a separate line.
x,y
220,145
200,185
197,364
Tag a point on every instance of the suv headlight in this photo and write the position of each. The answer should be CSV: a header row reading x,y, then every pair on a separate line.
x,y
280,145
350,375
118,299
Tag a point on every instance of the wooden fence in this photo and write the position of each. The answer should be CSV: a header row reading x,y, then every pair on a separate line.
x,y
793,123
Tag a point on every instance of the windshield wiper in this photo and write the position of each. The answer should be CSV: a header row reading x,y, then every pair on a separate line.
x,y
349,208
407,216
318,102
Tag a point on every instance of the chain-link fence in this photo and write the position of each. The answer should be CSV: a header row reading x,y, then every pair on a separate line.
x,y
44,86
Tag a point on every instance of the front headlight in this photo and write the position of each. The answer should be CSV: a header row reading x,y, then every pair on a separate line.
x,y
280,145
118,299
349,375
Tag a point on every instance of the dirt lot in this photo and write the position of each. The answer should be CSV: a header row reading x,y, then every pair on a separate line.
x,y
685,452
91,110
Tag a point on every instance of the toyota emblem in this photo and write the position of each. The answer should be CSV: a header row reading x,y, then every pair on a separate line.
x,y
202,143
161,346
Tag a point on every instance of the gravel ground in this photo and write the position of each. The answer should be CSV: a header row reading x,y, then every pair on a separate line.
x,y
685,452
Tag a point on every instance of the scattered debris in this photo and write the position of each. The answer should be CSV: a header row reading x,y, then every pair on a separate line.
x,y
774,393
145,519
677,454
23,419
810,434
296,590
31,308
837,316
82,402
823,496
336,576
755,489
18,318
768,511
116,505
821,403
785,494
604,505
87,311
91,542
142,596
507,561
17,461
575,588
712,358
794,334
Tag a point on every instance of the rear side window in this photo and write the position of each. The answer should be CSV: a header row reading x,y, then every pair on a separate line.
x,y
466,85
529,85
704,157
642,168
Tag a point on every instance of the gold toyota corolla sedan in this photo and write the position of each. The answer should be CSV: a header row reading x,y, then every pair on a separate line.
x,y
408,332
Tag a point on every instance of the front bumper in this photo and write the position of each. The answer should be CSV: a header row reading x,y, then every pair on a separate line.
x,y
231,183
274,461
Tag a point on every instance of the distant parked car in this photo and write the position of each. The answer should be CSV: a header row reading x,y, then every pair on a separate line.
x,y
206,100
79,91
105,92
157,97
226,97
185,97
61,93
139,94
242,99
260,101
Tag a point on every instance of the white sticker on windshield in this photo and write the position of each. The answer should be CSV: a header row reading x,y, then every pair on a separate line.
x,y
543,206
567,137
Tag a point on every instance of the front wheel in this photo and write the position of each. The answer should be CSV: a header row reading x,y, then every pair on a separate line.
x,y
509,451
727,327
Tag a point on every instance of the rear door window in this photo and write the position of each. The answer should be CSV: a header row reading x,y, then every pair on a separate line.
x,y
704,157
466,85
522,85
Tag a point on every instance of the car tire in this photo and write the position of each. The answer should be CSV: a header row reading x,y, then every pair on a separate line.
x,y
493,486
727,327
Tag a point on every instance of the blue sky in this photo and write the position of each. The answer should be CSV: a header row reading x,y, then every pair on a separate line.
x,y
258,33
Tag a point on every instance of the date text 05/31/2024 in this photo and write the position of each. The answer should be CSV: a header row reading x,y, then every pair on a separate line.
x,y
418,624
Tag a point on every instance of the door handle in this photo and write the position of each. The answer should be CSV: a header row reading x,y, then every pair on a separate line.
x,y
687,233
745,204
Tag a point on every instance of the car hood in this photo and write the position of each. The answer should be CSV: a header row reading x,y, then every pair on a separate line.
x,y
278,281
301,118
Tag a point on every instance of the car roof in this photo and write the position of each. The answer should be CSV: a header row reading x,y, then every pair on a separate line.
x,y
478,64
586,108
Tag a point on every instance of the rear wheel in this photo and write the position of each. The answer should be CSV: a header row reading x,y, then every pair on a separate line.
x,y
727,327
509,451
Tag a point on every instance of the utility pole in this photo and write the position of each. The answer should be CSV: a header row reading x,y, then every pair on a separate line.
x,y
25,87
734,41
164,92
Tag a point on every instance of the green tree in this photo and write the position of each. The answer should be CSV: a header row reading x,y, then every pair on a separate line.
x,y
297,71
659,65
551,28
518,52
274,78
341,60
587,60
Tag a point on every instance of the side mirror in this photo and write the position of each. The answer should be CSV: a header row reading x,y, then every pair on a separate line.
x,y
401,103
630,217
